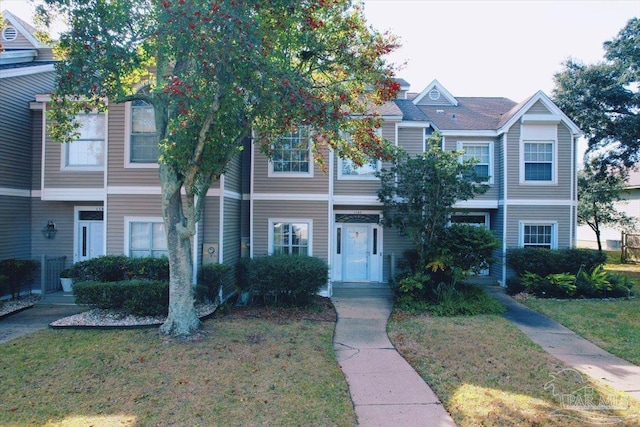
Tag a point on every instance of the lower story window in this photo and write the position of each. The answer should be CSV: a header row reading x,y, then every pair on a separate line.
x,y
147,239
290,238
538,236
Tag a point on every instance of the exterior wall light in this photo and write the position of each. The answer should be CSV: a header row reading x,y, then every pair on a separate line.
x,y
49,231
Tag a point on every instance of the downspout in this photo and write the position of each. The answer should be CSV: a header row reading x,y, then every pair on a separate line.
x,y
505,179
330,222
251,184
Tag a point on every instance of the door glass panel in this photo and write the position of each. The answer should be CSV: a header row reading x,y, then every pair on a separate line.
x,y
356,256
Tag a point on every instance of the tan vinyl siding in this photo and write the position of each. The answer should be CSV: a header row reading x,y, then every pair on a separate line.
x,y
119,175
14,227
356,187
121,206
411,139
263,210
451,144
263,183
561,191
16,126
540,213
538,108
20,42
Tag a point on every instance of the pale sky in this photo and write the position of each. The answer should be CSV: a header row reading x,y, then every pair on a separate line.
x,y
486,48
496,48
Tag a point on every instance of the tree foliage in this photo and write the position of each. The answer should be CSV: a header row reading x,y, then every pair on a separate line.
x,y
215,71
598,192
604,98
418,195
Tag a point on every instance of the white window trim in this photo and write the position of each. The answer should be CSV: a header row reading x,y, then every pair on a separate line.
x,y
71,168
356,177
127,228
460,147
307,221
554,231
273,174
127,143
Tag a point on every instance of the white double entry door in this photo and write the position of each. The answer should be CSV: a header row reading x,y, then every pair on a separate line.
x,y
357,253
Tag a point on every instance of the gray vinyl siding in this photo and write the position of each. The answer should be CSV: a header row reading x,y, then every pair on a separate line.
x,y
36,149
15,227
233,175
61,213
264,210
119,175
20,42
540,213
120,206
394,246
538,108
231,238
411,139
16,130
211,221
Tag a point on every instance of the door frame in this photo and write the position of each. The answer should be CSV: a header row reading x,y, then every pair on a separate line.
x,y
375,246
76,229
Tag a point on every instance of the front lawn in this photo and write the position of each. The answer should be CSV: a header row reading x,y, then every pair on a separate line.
x,y
244,369
487,372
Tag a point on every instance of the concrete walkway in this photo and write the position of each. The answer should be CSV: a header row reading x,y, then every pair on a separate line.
x,y
385,389
52,308
569,347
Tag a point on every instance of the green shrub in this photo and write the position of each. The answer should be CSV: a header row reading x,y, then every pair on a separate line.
x,y
286,278
137,297
18,273
544,262
4,284
470,248
243,266
460,300
114,268
210,279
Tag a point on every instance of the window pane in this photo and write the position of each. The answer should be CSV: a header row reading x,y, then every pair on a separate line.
x,y
537,236
144,149
368,169
85,153
290,238
91,126
159,241
142,118
538,158
537,171
291,153
139,236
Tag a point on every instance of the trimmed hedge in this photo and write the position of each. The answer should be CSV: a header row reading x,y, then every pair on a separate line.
x,y
210,279
137,297
544,262
114,268
17,273
287,278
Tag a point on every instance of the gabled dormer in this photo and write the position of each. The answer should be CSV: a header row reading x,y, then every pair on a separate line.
x,y
19,43
435,94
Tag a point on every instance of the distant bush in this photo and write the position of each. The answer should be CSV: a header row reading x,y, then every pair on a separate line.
x,y
114,268
136,297
544,261
287,279
210,279
18,273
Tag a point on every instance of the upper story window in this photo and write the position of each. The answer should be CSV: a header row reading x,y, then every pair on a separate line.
x,y
534,235
538,161
347,169
292,155
88,149
143,147
482,152
290,237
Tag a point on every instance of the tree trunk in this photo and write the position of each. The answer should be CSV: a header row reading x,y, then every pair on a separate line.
x,y
183,318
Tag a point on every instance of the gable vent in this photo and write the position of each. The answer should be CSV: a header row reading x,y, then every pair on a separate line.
x,y
434,94
9,34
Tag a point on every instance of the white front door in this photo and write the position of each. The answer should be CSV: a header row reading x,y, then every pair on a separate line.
x,y
89,235
358,253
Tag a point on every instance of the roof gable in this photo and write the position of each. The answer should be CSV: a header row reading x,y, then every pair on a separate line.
x,y
435,94
25,29
539,108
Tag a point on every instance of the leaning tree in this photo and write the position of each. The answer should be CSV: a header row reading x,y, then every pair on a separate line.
x,y
217,72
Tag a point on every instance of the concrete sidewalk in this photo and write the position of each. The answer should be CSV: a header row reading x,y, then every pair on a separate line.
x,y
569,347
52,308
385,389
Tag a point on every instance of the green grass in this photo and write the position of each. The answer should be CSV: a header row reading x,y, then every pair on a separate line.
x,y
613,325
237,372
487,372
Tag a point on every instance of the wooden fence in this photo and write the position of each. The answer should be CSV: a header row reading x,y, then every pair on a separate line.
x,y
630,248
